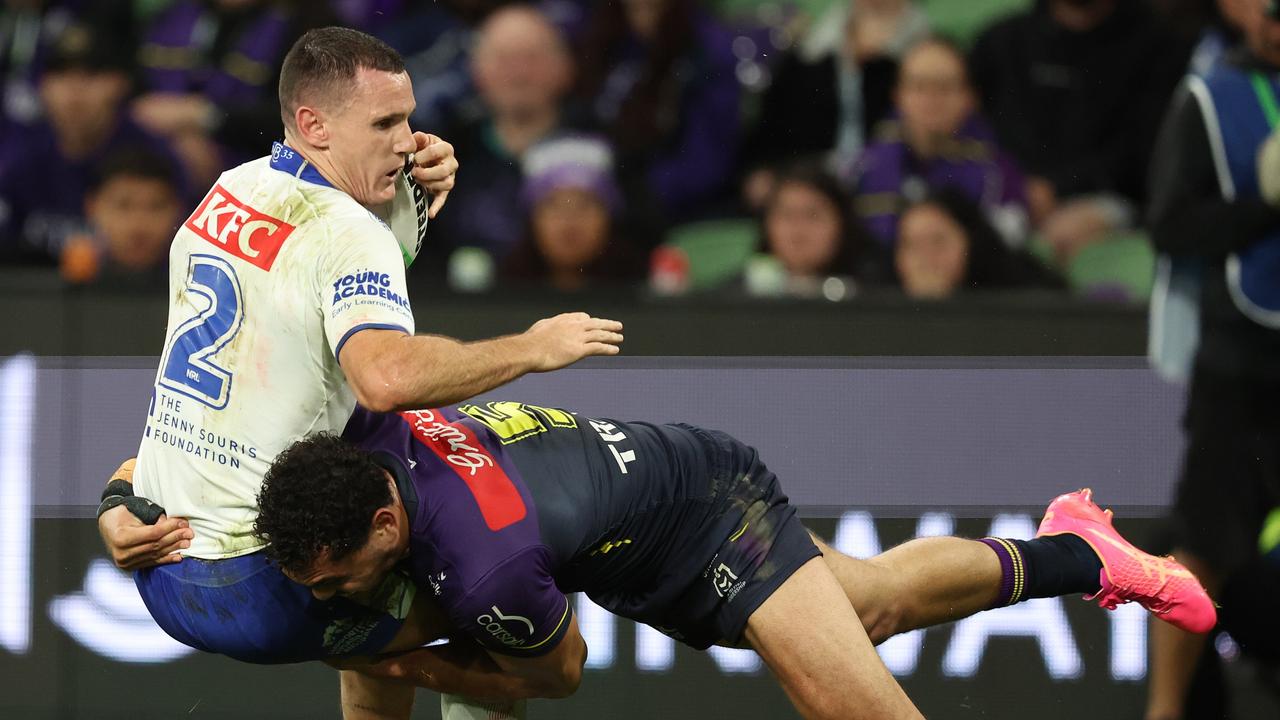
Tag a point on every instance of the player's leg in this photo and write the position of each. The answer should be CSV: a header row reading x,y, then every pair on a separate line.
x,y
812,640
1230,481
929,581
920,583
1077,551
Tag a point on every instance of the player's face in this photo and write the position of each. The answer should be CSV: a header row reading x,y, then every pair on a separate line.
x,y
370,136
355,576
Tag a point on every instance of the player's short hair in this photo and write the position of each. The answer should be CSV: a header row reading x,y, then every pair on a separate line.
x,y
325,61
319,496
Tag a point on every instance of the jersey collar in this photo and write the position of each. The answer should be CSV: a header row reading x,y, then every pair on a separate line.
x,y
287,160
404,482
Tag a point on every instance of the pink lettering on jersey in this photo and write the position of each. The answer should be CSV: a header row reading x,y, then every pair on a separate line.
x,y
238,228
457,445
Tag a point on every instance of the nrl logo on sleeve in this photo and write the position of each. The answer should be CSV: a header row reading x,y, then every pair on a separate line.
x,y
239,229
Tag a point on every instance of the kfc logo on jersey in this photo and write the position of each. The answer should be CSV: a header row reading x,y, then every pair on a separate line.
x,y
238,228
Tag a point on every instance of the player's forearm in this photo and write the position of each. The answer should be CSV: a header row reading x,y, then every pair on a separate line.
x,y
430,371
458,668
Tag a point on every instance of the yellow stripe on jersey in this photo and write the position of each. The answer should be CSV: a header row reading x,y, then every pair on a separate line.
x,y
553,632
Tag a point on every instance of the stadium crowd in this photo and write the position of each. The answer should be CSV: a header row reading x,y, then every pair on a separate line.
x,y
752,147
806,149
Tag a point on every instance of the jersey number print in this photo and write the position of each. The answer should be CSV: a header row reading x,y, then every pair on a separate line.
x,y
189,367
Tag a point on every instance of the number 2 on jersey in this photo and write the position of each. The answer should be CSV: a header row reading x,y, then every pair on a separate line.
x,y
189,367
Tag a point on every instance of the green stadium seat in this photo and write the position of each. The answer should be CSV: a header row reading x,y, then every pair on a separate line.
x,y
961,20
717,249
1124,261
742,9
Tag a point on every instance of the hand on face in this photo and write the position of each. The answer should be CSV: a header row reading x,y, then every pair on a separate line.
x,y
435,168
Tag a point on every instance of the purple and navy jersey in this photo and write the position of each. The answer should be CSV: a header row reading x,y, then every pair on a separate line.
x,y
512,505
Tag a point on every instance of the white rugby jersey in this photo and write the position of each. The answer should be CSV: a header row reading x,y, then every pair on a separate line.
x,y
267,279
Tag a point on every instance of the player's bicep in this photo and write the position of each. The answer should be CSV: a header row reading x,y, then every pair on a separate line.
x,y
516,626
559,670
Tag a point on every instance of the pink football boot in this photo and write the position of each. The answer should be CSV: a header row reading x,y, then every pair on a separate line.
x,y
1159,584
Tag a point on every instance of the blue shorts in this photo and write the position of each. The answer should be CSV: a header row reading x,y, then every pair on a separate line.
x,y
246,609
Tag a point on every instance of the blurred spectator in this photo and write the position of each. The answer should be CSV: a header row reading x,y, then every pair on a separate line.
x,y
27,30
46,166
659,75
1218,35
1075,90
522,68
210,70
841,73
1215,204
573,241
937,140
435,40
946,247
808,227
132,210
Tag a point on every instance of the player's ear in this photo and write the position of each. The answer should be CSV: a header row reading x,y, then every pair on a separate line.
x,y
311,126
384,520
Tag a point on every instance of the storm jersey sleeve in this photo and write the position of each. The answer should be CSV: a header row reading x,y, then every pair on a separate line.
x,y
362,283
515,609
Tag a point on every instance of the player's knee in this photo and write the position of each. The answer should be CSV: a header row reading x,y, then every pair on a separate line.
x,y
887,611
885,621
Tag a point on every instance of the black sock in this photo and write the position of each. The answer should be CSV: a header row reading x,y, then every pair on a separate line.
x,y
1045,567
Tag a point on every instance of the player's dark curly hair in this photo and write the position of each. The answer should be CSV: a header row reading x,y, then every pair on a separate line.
x,y
320,494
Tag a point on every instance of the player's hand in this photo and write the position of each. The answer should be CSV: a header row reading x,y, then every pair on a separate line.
x,y
565,339
435,169
134,545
